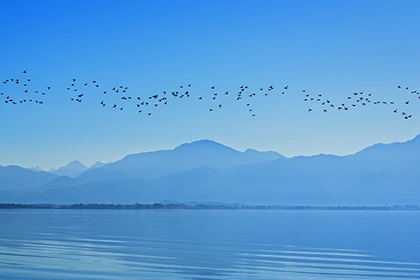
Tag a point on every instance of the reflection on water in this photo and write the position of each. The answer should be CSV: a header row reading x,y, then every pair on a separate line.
x,y
124,244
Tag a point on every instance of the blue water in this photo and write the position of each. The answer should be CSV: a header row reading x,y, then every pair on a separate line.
x,y
209,244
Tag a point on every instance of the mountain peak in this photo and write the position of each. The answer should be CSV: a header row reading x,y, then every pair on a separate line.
x,y
72,169
75,165
197,154
98,164
36,168
416,139
397,152
266,155
202,144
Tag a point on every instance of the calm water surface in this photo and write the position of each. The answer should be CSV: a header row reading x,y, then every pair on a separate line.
x,y
209,244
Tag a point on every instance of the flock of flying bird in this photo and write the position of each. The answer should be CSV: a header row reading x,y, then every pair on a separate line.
x,y
16,91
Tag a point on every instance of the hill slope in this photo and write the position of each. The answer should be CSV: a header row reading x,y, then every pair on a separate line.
x,y
205,171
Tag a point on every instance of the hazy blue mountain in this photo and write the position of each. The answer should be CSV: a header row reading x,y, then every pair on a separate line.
x,y
36,168
97,164
203,153
62,181
208,171
262,156
343,181
400,152
316,180
120,191
101,175
15,178
72,169
195,184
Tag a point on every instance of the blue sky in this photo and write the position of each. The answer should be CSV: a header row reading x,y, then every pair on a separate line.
x,y
332,48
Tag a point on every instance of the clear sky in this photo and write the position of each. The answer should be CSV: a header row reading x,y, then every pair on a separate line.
x,y
332,48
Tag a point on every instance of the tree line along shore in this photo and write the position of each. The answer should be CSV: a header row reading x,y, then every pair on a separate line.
x,y
180,206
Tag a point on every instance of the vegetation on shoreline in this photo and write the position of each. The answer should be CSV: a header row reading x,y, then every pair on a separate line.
x,y
180,206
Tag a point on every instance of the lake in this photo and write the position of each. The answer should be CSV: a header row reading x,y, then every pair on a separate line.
x,y
209,244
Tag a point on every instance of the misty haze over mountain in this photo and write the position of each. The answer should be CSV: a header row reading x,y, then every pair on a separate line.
x,y
206,171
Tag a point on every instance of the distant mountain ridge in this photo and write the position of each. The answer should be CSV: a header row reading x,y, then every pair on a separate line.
x,y
16,178
203,153
398,152
36,168
72,169
209,171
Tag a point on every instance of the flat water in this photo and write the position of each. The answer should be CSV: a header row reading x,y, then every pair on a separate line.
x,y
209,244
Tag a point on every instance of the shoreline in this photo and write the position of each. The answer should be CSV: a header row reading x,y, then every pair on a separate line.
x,y
180,206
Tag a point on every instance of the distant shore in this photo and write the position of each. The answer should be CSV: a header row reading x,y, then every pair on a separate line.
x,y
180,206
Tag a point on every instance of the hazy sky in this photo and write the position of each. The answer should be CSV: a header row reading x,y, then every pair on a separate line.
x,y
332,48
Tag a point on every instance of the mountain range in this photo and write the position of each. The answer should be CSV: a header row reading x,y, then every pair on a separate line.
x,y
206,171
